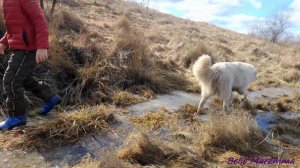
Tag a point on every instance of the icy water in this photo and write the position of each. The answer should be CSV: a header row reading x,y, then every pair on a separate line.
x,y
70,155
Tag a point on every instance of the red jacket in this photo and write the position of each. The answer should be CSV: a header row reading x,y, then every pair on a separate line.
x,y
26,25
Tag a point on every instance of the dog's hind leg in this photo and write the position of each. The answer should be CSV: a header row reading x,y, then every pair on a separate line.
x,y
226,105
203,99
226,96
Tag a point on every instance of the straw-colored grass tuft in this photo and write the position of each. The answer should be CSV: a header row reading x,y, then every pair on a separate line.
x,y
140,149
188,112
237,132
123,98
106,160
66,129
154,119
192,55
281,104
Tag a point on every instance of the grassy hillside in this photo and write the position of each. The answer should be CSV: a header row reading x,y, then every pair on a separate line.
x,y
99,47
177,42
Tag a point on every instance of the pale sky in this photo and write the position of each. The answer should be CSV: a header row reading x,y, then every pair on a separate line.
x,y
234,15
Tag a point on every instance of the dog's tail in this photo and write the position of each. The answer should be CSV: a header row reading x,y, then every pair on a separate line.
x,y
201,68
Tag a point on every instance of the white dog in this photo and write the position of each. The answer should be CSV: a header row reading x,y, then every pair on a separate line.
x,y
222,78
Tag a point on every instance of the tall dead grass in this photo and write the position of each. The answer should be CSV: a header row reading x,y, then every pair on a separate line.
x,y
136,63
290,61
90,76
195,52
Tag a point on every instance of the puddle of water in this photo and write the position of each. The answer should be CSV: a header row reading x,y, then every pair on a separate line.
x,y
10,160
69,155
265,120
271,121
268,93
171,102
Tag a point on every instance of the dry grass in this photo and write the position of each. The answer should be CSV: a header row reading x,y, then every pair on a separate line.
x,y
154,119
288,126
108,160
85,74
293,76
237,132
290,61
67,21
140,70
123,98
89,164
282,104
140,149
66,129
193,54
188,112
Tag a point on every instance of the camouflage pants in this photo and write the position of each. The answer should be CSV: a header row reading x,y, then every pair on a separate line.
x,y
19,76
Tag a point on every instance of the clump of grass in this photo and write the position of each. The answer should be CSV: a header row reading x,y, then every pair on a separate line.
x,y
238,133
140,149
244,104
137,70
288,103
90,76
124,24
67,129
123,98
128,67
290,61
194,53
293,76
63,20
259,53
187,160
107,160
193,87
290,126
182,136
154,119
147,93
188,112
89,164
282,104
264,106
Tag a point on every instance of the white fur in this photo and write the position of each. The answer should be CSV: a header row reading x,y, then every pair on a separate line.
x,y
221,78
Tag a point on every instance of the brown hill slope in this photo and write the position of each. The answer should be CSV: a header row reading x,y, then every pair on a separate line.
x,y
172,39
88,35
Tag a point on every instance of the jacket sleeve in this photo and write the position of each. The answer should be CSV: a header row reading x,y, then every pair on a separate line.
x,y
4,39
35,14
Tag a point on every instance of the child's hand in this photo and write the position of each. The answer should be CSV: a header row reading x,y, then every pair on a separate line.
x,y
2,48
41,55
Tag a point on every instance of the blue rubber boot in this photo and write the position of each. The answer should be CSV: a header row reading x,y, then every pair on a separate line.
x,y
12,122
48,106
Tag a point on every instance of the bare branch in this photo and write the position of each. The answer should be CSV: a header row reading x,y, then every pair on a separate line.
x,y
274,27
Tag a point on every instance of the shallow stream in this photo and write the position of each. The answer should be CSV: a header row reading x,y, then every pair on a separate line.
x,y
68,155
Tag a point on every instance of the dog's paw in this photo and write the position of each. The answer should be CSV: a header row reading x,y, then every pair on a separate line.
x,y
202,111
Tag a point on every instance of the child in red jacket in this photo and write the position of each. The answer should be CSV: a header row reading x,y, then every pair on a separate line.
x,y
27,37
